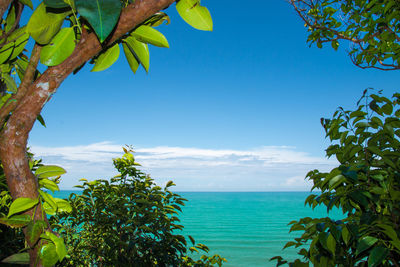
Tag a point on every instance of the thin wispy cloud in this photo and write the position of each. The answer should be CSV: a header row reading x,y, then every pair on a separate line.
x,y
268,168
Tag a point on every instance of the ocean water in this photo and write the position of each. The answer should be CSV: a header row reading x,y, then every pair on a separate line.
x,y
246,228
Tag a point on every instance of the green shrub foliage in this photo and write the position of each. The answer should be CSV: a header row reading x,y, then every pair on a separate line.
x,y
365,186
127,221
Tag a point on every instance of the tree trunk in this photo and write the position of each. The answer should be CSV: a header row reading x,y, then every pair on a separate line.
x,y
24,111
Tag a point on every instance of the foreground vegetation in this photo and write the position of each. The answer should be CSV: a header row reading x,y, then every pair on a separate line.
x,y
365,186
127,221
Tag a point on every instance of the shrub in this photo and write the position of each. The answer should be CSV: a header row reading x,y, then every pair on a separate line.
x,y
127,221
365,186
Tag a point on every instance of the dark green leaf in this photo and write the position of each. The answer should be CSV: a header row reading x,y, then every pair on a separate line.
x,y
102,15
34,230
365,243
377,255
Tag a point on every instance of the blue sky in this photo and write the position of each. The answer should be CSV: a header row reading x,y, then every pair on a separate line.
x,y
236,109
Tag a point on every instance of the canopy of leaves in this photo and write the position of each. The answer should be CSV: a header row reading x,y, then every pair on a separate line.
x,y
372,26
365,186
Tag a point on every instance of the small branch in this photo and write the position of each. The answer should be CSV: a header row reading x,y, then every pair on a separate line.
x,y
12,102
4,6
18,8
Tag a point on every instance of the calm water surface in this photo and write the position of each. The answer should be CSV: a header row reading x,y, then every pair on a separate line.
x,y
245,228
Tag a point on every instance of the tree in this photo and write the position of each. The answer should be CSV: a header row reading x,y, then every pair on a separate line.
x,y
371,26
126,220
365,186
97,29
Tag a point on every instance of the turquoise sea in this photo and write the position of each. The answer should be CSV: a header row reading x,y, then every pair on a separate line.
x,y
247,228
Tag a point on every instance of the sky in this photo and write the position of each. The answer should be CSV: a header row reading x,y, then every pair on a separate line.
x,y
236,109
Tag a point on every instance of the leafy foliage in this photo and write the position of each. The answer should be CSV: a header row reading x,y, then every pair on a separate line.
x,y
12,220
55,42
365,186
372,26
129,219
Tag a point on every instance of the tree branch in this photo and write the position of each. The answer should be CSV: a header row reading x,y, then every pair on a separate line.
x,y
14,136
4,6
13,101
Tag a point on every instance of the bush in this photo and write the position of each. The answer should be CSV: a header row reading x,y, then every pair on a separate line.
x,y
365,186
129,221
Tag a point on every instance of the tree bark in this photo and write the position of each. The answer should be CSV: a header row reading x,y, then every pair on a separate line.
x,y
14,136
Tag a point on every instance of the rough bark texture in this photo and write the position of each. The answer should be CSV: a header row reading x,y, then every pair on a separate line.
x,y
4,6
14,136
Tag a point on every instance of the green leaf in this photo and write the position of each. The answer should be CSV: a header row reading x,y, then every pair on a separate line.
x,y
22,204
365,243
102,15
59,49
49,171
106,59
19,258
10,83
19,39
149,35
34,230
331,244
48,199
63,205
6,51
43,25
48,184
48,255
60,246
195,15
130,57
10,19
27,3
41,120
49,209
377,255
140,50
346,235
16,220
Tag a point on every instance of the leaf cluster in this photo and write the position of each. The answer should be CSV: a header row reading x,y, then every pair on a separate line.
x,y
365,186
371,26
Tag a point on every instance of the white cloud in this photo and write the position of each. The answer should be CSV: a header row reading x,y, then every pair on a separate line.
x,y
268,168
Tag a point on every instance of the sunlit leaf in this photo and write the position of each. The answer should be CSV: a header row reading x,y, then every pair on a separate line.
x,y
140,50
49,171
149,35
195,15
22,204
59,49
130,57
106,59
43,25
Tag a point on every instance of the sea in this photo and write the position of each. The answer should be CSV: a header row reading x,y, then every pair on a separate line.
x,y
246,228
